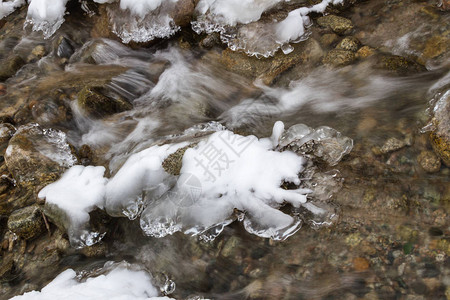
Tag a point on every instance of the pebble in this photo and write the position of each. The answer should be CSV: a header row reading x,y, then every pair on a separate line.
x,y
429,161
391,145
360,264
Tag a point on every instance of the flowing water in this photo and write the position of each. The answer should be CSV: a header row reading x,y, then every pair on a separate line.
x,y
375,226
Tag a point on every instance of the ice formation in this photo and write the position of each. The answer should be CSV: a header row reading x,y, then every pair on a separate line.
x,y
324,142
141,174
237,21
79,191
226,172
51,143
46,15
143,21
118,281
7,7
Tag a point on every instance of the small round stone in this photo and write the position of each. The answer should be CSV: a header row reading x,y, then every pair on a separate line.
x,y
429,161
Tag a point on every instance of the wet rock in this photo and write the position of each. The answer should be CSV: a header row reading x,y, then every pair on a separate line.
x,y
269,69
337,24
364,52
210,40
429,161
64,48
3,90
27,222
329,39
337,58
360,264
255,290
86,155
440,135
398,64
391,145
183,12
435,46
6,266
353,239
36,156
6,132
49,112
349,43
95,104
231,247
97,250
101,26
37,53
173,163
10,66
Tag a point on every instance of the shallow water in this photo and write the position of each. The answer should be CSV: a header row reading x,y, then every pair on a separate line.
x,y
388,234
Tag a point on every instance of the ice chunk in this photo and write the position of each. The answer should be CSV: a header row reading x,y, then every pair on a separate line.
x,y
143,21
231,172
7,7
71,198
46,15
120,281
324,142
239,26
141,174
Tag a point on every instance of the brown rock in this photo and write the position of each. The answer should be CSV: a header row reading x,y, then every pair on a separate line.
x,y
337,24
440,136
360,264
429,161
349,43
27,222
365,52
37,156
337,58
183,12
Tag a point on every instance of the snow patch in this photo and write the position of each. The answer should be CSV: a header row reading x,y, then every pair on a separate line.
x,y
121,281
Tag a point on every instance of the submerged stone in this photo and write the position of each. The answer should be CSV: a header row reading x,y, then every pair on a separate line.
x,y
339,58
27,222
349,43
398,64
10,66
337,24
364,52
429,161
95,104
391,145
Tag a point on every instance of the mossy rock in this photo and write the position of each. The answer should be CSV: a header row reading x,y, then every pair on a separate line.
x,y
27,222
96,104
337,24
